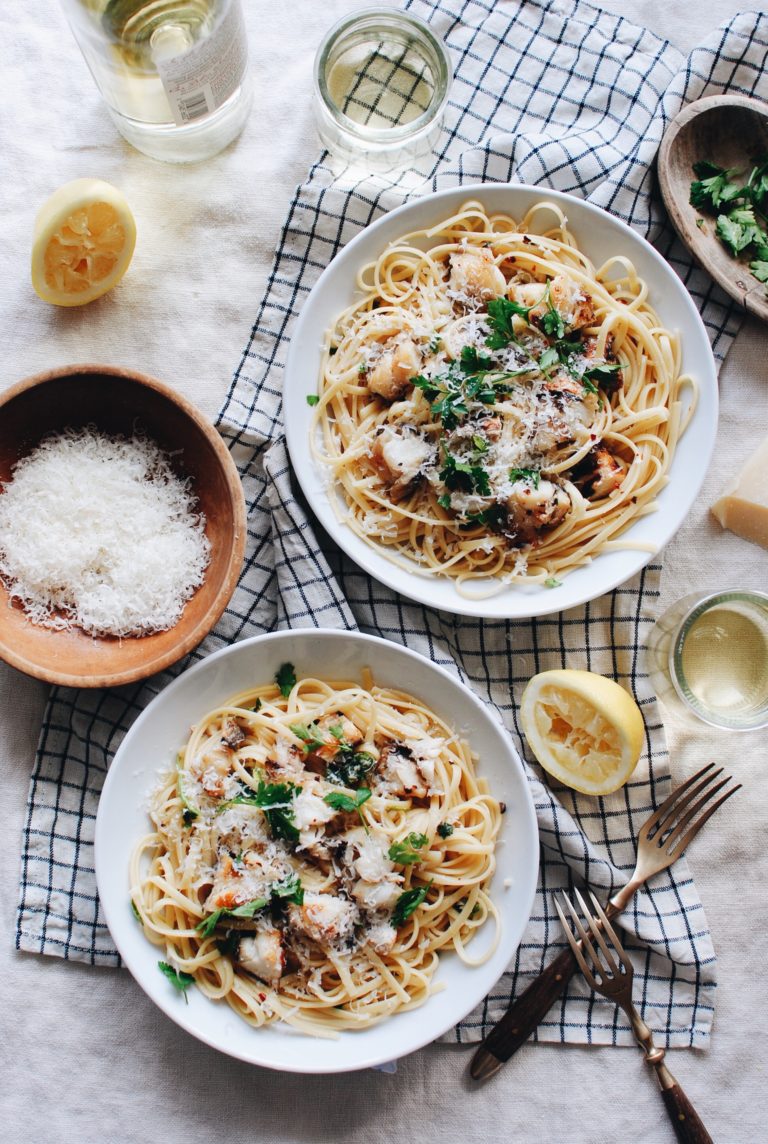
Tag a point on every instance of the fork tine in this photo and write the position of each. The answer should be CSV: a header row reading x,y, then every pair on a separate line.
x,y
679,799
612,966
576,948
707,814
670,841
584,936
618,947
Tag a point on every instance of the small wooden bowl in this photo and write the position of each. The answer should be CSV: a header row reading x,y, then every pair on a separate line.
x,y
120,401
732,131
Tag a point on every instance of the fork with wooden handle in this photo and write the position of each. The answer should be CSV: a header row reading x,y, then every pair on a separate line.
x,y
661,840
609,971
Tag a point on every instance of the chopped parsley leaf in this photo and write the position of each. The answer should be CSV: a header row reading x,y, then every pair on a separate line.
x,y
501,311
435,343
349,767
289,889
446,395
340,801
445,830
312,399
179,980
603,374
739,229
551,320
549,358
135,910
461,475
310,734
531,475
247,910
275,800
552,582
445,501
493,517
713,187
408,902
407,851
286,679
474,362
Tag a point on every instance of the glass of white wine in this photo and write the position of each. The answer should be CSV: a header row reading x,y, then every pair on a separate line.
x,y
707,656
382,79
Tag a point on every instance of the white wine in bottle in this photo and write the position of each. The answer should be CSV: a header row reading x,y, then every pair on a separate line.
x,y
173,73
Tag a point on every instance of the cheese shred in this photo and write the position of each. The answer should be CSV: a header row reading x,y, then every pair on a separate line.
x,y
98,532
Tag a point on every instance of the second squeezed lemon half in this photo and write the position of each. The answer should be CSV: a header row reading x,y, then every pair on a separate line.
x,y
83,243
584,729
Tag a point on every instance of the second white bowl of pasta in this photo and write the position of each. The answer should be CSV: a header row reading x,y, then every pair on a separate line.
x,y
311,879
500,400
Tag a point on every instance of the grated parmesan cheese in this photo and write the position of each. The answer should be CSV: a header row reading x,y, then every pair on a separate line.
x,y
99,532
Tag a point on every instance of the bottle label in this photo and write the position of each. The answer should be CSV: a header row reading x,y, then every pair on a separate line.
x,y
202,78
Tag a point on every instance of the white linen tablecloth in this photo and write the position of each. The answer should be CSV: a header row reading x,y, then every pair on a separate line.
x,y
86,1055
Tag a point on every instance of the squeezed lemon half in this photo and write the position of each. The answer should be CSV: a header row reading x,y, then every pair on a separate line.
x,y
83,243
585,730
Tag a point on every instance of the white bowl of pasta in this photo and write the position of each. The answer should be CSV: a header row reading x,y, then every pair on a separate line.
x,y
322,879
500,401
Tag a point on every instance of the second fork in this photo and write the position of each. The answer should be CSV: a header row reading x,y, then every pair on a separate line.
x,y
608,970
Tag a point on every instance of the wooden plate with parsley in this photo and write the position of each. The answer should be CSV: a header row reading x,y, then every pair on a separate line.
x,y
713,173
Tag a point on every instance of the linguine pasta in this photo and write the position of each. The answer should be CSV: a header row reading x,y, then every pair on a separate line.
x,y
496,409
317,847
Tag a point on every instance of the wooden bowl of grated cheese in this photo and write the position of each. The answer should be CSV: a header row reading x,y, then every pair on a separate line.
x,y
122,526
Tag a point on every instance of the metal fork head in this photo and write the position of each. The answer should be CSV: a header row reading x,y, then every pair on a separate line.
x,y
665,835
605,966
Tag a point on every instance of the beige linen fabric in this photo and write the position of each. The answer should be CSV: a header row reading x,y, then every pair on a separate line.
x,y
86,1055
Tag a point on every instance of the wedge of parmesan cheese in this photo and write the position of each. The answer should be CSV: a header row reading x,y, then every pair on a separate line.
x,y
743,508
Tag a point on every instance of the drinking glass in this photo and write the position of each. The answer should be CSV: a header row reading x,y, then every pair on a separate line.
x,y
707,657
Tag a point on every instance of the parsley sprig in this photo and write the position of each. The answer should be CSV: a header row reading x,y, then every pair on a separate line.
x,y
408,849
408,902
247,910
275,800
179,980
349,767
501,314
531,476
341,801
464,476
286,679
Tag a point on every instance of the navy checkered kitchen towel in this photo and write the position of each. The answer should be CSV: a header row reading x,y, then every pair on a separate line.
x,y
553,93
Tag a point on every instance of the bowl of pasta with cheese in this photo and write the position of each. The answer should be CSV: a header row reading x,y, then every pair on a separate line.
x,y
500,401
316,851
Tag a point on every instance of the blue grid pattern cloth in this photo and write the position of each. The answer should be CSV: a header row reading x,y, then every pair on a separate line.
x,y
552,93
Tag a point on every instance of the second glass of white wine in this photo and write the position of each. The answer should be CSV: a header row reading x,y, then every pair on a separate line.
x,y
173,73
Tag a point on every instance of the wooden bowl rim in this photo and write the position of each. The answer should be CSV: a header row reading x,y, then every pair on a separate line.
x,y
237,501
753,298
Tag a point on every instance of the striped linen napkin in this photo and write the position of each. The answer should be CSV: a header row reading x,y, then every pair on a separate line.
x,y
552,93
